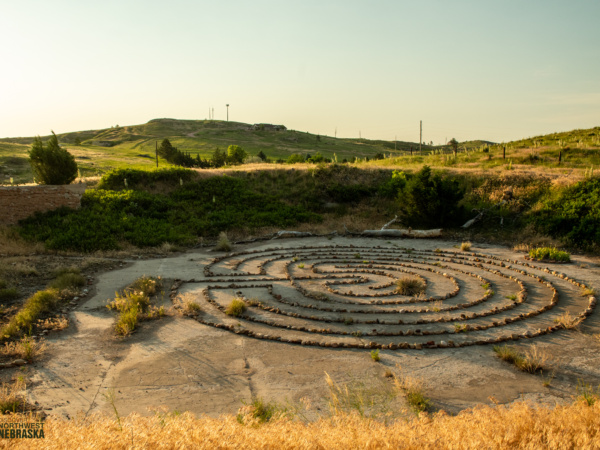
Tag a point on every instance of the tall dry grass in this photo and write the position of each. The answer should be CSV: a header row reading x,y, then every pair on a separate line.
x,y
517,426
11,244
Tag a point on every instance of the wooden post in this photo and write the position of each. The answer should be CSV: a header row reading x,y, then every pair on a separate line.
x,y
559,156
156,151
503,152
420,134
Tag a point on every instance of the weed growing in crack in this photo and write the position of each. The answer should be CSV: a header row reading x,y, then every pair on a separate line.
x,y
531,360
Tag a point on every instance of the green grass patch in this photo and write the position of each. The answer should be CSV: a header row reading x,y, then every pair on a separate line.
x,y
67,281
133,304
8,294
549,254
35,306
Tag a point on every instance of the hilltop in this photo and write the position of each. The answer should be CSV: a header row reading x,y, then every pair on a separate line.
x,y
133,146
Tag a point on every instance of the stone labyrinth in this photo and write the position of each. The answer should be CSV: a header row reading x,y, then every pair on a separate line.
x,y
345,296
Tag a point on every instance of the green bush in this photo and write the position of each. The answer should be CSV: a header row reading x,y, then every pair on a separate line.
x,y
50,163
573,215
141,179
236,154
295,158
549,253
429,200
204,208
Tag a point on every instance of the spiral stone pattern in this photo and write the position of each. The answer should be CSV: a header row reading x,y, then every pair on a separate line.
x,y
344,296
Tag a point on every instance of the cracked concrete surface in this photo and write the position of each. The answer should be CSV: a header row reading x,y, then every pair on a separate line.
x,y
188,366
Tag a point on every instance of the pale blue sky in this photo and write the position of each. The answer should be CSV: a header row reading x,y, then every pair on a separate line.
x,y
496,70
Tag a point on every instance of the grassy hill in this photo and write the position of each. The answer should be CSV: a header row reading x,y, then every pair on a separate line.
x,y
98,151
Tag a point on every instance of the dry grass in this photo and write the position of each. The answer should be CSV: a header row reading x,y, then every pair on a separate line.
x,y
188,305
26,348
12,399
413,389
567,321
531,360
410,286
11,244
465,246
236,308
53,323
223,244
588,292
374,398
519,425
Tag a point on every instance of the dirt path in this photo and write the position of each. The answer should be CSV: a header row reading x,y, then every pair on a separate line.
x,y
208,369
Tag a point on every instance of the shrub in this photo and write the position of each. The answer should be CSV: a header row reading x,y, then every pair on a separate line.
x,y
50,163
147,285
236,308
205,208
430,200
410,286
236,154
295,158
143,178
549,253
573,215
465,246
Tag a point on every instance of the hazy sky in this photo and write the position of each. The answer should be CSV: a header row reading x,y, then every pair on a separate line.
x,y
496,70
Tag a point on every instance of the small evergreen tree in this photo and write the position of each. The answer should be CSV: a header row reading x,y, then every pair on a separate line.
x,y
218,158
50,163
262,155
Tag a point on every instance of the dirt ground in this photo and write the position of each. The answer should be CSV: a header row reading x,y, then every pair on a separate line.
x,y
213,367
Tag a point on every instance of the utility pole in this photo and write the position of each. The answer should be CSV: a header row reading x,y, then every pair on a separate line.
x,y
227,111
395,140
156,150
335,133
420,134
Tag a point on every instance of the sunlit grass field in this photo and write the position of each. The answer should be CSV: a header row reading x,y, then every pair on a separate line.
x,y
99,151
